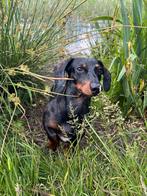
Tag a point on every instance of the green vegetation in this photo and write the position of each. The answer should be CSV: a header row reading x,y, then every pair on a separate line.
x,y
112,158
92,8
125,48
111,161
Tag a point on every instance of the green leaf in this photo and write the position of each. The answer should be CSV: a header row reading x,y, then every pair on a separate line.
x,y
121,74
126,29
145,100
132,57
137,21
137,73
127,91
137,12
114,61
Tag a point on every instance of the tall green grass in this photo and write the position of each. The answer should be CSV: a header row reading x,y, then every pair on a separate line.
x,y
32,34
31,31
101,167
125,49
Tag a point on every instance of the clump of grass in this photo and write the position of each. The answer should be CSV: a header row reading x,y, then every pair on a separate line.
x,y
31,34
98,168
124,49
31,31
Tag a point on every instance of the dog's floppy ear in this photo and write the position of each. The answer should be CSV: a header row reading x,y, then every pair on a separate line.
x,y
106,77
60,71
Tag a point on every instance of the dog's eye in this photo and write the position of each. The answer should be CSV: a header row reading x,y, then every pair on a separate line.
x,y
99,71
80,69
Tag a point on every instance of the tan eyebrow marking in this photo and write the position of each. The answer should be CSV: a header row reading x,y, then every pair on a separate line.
x,y
97,65
84,65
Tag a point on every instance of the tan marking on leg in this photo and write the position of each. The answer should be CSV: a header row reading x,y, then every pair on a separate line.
x,y
53,144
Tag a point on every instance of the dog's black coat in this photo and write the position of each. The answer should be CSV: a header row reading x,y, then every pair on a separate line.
x,y
86,74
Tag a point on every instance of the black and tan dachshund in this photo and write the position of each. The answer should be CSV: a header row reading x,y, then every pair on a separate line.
x,y
74,94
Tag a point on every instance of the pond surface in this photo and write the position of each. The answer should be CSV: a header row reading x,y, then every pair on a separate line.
x,y
84,36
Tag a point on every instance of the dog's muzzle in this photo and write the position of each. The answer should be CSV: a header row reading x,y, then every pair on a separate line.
x,y
95,88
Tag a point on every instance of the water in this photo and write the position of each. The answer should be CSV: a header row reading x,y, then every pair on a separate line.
x,y
85,36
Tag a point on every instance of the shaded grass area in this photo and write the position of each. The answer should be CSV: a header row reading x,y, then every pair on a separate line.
x,y
112,162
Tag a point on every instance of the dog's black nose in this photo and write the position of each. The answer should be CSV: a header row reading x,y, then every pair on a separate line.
x,y
95,87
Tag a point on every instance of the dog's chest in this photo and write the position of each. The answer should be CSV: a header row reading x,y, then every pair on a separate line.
x,y
79,106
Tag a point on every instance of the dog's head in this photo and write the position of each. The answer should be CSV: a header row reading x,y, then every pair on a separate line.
x,y
86,74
